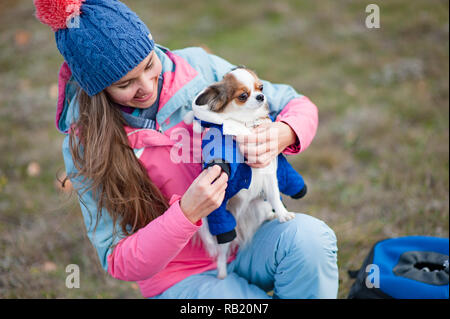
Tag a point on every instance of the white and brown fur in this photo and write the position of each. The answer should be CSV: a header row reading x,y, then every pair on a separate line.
x,y
239,97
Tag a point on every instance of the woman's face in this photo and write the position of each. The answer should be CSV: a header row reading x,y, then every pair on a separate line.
x,y
139,87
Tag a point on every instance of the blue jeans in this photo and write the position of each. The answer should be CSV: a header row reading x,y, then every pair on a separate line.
x,y
296,259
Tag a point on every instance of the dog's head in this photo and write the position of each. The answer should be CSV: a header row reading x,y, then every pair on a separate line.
x,y
239,90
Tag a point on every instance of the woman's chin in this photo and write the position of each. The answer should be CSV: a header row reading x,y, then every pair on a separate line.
x,y
142,105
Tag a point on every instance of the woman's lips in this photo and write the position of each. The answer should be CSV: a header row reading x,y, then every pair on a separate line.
x,y
145,98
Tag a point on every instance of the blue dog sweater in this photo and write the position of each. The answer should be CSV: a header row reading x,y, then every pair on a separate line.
x,y
222,150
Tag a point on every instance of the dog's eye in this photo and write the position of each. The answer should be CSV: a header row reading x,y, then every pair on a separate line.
x,y
261,87
243,96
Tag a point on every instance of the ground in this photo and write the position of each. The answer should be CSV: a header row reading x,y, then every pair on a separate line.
x,y
378,166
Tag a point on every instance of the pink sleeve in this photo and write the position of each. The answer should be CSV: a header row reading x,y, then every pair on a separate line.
x,y
302,116
150,249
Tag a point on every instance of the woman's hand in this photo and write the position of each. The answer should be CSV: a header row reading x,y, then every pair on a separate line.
x,y
205,194
267,141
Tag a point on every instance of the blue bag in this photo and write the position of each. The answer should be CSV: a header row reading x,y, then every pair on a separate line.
x,y
412,267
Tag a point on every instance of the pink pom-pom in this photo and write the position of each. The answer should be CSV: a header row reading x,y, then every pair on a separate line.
x,y
55,13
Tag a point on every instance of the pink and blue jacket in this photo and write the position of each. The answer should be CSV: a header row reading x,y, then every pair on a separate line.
x,y
163,253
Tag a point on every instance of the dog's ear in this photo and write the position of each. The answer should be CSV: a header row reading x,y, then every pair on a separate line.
x,y
215,96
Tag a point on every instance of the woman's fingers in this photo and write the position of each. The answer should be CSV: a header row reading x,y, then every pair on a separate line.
x,y
263,127
259,154
260,159
212,173
202,175
214,179
257,150
260,134
222,180
205,194
260,147
220,195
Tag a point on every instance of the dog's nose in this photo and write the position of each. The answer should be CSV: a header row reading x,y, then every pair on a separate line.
x,y
260,97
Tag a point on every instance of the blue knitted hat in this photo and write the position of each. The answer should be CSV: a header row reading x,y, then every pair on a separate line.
x,y
101,40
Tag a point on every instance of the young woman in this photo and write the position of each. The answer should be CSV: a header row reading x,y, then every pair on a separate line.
x,y
121,97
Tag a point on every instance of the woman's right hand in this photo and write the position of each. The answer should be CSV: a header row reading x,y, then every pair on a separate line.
x,y
205,194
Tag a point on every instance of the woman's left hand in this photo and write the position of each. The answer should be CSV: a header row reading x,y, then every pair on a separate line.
x,y
265,143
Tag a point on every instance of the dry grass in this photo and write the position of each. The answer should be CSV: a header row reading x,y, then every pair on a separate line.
x,y
377,168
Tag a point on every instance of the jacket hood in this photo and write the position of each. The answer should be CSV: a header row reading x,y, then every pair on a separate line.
x,y
66,93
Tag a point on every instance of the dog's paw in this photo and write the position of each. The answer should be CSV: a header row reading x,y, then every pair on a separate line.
x,y
221,269
221,273
286,216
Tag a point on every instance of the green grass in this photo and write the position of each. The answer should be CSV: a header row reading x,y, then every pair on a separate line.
x,y
378,167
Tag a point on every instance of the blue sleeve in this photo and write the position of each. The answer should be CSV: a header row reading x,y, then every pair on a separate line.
x,y
290,182
278,95
219,67
102,238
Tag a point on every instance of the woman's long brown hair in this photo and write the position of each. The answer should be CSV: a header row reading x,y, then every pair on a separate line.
x,y
108,166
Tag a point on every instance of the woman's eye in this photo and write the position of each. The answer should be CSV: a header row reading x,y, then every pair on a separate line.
x,y
149,66
243,96
124,86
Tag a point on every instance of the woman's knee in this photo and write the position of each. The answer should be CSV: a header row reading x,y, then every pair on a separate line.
x,y
307,252
312,238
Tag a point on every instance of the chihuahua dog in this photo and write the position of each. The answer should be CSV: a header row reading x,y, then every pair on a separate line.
x,y
238,102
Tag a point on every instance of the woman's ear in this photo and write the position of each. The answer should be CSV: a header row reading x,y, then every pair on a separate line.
x,y
214,96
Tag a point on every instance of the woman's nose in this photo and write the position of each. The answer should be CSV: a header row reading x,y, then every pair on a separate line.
x,y
146,85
